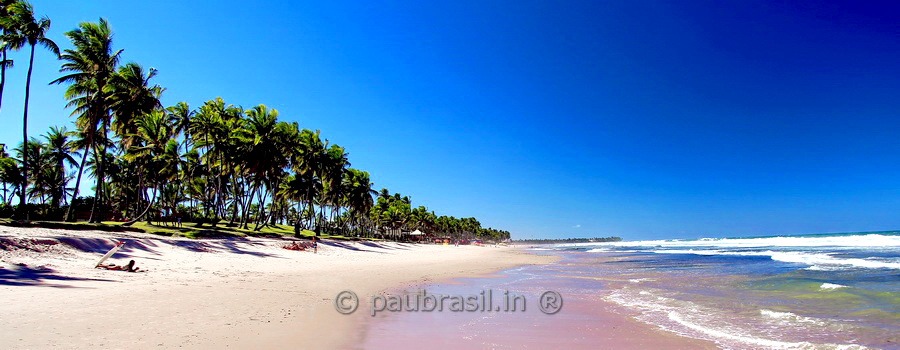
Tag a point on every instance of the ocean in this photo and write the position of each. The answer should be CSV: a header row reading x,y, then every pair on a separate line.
x,y
823,291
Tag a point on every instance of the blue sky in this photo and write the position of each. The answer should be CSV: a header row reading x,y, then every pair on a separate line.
x,y
641,119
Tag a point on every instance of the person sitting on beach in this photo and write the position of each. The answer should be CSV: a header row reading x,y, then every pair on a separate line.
x,y
129,268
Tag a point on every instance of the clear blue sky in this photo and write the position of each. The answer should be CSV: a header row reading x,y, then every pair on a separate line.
x,y
641,119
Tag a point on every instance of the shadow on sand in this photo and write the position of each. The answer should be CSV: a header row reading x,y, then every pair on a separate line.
x,y
133,245
19,275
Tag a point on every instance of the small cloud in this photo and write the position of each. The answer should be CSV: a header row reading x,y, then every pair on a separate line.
x,y
577,226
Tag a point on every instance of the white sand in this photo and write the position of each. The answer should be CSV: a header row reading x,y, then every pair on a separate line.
x,y
211,293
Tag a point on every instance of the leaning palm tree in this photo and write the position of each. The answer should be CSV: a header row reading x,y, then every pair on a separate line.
x,y
32,32
88,69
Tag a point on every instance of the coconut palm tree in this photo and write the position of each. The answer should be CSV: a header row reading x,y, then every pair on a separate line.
x,y
308,166
218,129
132,97
358,193
32,32
88,68
334,165
180,115
59,150
36,158
262,158
7,30
10,176
152,151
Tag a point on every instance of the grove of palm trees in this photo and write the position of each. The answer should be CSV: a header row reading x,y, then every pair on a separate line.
x,y
213,165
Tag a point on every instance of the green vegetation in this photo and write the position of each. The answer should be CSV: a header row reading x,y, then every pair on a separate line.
x,y
221,167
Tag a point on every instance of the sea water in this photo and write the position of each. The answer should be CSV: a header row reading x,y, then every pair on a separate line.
x,y
835,291
809,291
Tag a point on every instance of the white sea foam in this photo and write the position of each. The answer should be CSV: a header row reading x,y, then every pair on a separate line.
x,y
776,314
689,319
831,286
825,259
789,318
639,280
598,250
816,261
750,340
849,241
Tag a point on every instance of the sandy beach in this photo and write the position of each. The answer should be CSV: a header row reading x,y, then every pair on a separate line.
x,y
212,293
250,293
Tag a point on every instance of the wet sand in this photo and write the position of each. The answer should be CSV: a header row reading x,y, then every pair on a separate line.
x,y
585,321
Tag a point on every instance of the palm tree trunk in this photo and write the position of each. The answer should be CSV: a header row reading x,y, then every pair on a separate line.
x,y
146,210
58,194
62,185
2,75
97,208
262,209
78,179
246,212
238,200
22,199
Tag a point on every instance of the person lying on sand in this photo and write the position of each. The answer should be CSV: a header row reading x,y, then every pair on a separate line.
x,y
130,267
302,245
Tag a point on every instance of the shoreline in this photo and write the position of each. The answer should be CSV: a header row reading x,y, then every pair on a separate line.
x,y
249,292
584,322
210,292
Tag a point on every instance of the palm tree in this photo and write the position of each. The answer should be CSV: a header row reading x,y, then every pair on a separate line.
x,y
153,152
180,115
32,32
10,175
332,174
308,166
59,150
132,96
358,194
88,68
36,158
7,30
219,130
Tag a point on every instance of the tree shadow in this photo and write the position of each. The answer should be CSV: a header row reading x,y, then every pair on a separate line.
x,y
381,246
103,245
346,246
20,275
230,245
